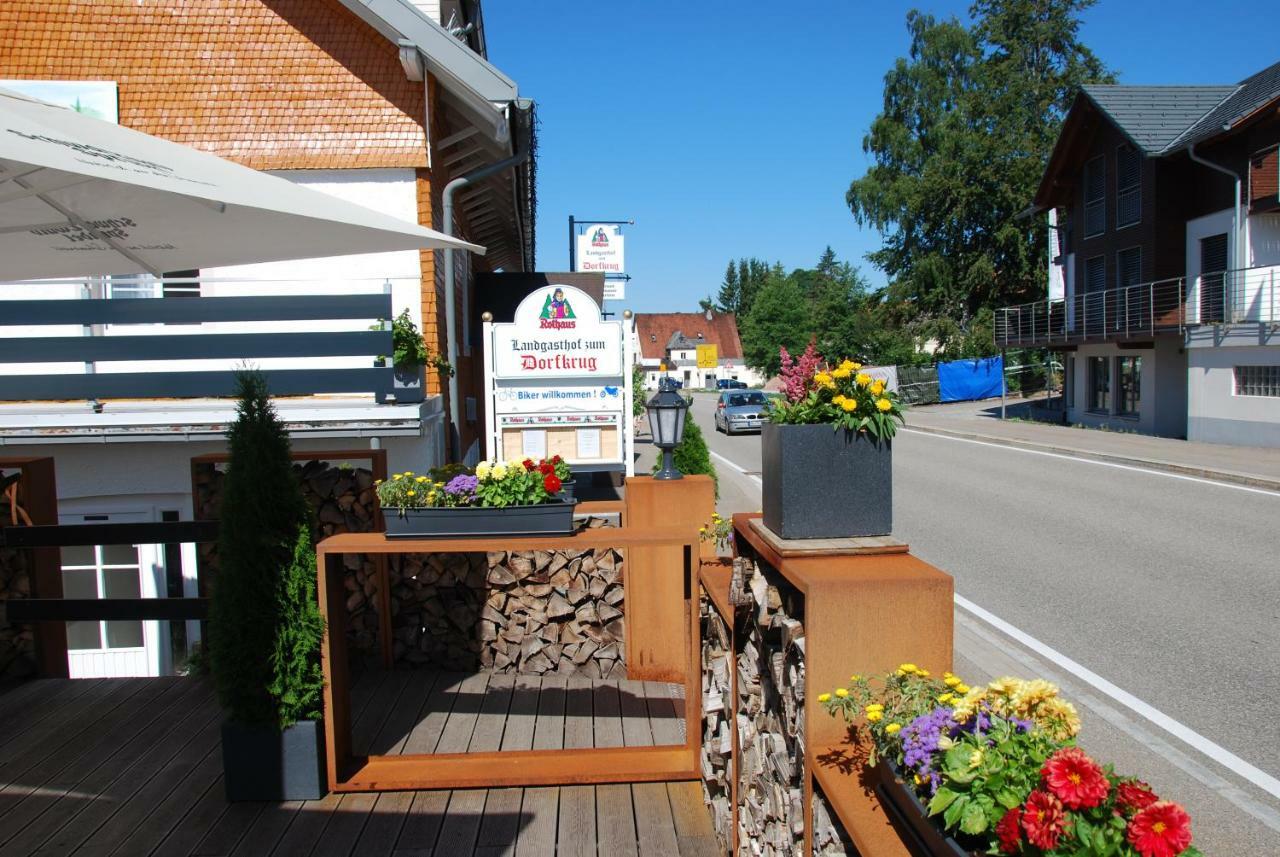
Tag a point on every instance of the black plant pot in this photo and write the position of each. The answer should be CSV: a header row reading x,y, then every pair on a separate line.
x,y
821,483
922,836
567,489
264,763
554,518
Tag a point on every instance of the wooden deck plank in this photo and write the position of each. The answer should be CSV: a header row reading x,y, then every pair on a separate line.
x,y
18,693
578,729
695,835
492,721
666,714
539,816
22,717
306,826
655,829
548,731
345,825
64,724
381,705
577,828
266,830
422,824
146,826
204,815
635,714
615,821
79,768
408,713
424,736
523,714
500,826
461,823
462,719
606,719
378,839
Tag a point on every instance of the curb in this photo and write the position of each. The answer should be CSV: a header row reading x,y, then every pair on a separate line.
x,y
1225,476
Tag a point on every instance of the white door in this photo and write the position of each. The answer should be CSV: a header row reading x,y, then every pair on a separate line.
x,y
100,649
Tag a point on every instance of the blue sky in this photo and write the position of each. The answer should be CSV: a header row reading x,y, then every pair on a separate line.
x,y
728,129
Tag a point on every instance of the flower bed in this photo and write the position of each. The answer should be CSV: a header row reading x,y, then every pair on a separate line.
x,y
996,769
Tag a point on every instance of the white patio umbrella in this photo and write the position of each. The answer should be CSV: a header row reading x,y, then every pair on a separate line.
x,y
80,196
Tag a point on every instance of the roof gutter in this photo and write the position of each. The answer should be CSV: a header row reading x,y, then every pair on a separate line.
x,y
450,302
1237,262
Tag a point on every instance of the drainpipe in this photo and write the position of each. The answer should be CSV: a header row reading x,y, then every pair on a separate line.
x,y
450,304
1238,223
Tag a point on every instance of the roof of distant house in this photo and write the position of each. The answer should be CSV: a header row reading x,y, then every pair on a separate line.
x,y
683,330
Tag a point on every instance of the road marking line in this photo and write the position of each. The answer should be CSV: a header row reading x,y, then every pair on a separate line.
x,y
1068,457
1188,736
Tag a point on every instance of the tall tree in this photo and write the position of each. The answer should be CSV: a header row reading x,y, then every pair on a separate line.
x,y
779,316
729,298
969,118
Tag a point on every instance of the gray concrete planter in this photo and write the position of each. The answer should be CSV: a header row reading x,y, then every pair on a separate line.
x,y
819,483
264,763
545,519
408,384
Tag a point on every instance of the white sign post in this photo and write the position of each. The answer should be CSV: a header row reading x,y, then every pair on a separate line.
x,y
556,378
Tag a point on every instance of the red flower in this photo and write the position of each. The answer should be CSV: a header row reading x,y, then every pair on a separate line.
x,y
555,459
1161,830
551,482
545,467
1134,795
1043,820
1075,779
1009,832
528,464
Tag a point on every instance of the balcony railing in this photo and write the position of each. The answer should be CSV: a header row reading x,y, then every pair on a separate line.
x,y
1241,296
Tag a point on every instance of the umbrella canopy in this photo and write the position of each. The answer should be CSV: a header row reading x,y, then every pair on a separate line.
x,y
80,196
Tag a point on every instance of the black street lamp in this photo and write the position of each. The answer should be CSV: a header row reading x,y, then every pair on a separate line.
x,y
666,423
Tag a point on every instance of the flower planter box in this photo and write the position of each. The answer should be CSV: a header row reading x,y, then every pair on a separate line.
x,y
263,763
922,837
407,385
821,483
544,519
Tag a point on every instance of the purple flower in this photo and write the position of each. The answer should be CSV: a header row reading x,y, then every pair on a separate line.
x,y
463,485
920,742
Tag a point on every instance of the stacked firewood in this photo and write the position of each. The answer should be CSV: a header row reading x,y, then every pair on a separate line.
x,y
717,711
829,837
771,719
527,612
17,645
343,500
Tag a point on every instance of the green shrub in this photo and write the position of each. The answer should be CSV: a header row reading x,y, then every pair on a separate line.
x,y
691,455
637,390
262,636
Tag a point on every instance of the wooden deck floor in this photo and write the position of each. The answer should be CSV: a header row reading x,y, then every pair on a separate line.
x,y
417,711
133,767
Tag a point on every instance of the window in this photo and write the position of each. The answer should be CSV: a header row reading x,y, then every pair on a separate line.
x,y
1095,197
1100,385
105,571
1095,274
1129,267
1128,186
1258,381
1129,392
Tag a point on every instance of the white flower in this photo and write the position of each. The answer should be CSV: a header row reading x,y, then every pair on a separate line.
x,y
499,470
482,470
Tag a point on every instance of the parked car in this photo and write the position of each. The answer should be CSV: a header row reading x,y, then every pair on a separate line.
x,y
740,411
731,384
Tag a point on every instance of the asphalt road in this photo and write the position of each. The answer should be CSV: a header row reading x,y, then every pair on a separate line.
x,y
1167,588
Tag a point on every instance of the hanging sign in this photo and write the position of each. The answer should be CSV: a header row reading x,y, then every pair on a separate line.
x,y
557,333
599,249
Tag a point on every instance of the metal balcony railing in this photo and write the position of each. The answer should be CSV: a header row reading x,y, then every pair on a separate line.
x,y
1240,296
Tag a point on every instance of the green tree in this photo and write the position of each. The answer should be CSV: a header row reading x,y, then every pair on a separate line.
x,y
297,684
262,677
729,298
779,316
969,119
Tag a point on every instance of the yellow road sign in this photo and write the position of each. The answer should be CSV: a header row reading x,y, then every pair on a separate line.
x,y
707,357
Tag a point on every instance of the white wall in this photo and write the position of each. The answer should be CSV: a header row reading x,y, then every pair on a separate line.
x,y
1215,414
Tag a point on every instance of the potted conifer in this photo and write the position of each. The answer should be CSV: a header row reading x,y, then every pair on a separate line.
x,y
265,627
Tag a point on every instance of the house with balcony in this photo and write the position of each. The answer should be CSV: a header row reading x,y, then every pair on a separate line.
x,y
124,381
1164,276
667,345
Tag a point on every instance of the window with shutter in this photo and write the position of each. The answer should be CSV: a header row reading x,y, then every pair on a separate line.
x,y
1129,267
1095,274
1095,197
1128,186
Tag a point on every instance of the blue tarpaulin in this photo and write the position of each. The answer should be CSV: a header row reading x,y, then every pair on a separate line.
x,y
967,380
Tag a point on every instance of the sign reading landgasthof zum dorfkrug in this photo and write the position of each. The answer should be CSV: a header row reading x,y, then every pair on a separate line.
x,y
556,383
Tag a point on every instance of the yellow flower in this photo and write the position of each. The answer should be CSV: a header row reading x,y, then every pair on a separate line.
x,y
824,697
421,479
875,706
855,366
874,716
823,379
877,388
883,405
837,399
412,493
841,692
893,728
946,697
842,372
908,668
849,406
923,673
920,780
377,482
962,688
499,471
863,379
702,530
431,496
951,681
482,469
855,677
975,758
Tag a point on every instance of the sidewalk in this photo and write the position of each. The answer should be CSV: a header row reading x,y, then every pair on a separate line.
x,y
1245,465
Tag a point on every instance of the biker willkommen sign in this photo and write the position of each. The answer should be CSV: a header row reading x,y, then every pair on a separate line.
x,y
557,383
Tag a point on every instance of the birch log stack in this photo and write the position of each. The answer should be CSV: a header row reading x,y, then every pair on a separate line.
x,y
717,714
526,612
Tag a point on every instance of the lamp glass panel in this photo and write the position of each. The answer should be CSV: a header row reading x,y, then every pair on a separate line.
x,y
653,422
679,428
667,423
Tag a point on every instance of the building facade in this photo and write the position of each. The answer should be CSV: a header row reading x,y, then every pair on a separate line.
x,y
1165,245
667,346
380,102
